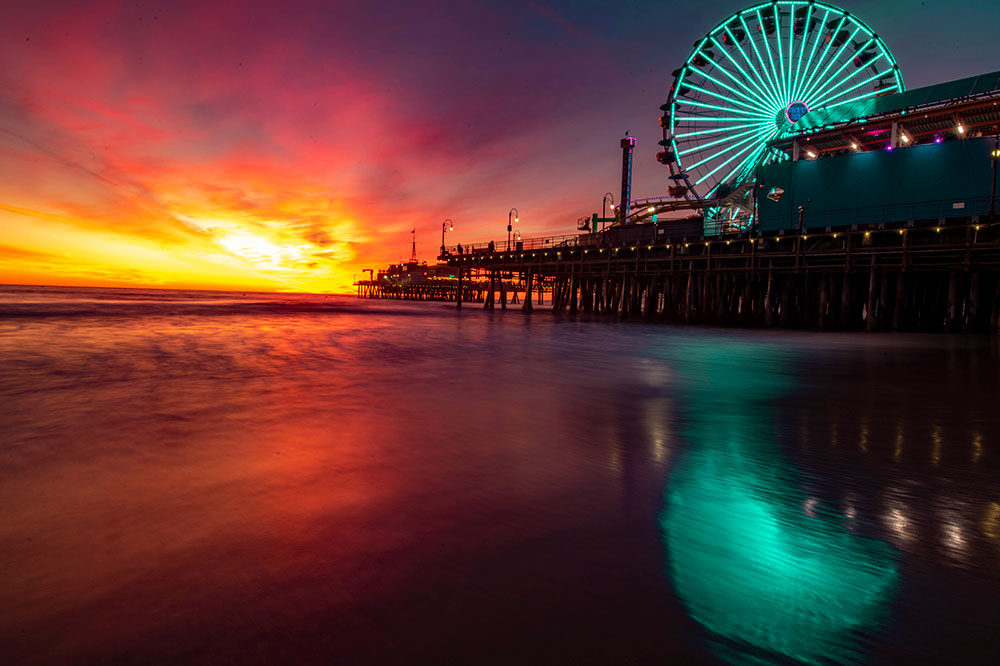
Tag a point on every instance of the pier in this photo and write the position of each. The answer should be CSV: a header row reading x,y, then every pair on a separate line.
x,y
876,215
923,275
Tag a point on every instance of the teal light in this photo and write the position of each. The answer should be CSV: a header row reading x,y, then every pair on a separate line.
x,y
742,72
750,140
769,61
880,75
769,582
781,56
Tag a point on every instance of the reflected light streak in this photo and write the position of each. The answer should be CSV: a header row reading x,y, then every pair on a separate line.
x,y
898,451
897,522
953,537
991,521
936,437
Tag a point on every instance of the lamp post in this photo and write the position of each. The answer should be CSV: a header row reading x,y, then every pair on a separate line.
x,y
511,213
447,225
517,237
993,191
604,202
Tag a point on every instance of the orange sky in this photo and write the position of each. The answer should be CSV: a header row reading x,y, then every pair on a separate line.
x,y
287,146
245,147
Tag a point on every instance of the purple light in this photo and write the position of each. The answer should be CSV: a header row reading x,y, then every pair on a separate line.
x,y
938,139
888,148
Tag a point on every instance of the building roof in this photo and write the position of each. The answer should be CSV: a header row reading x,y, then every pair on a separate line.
x,y
960,109
973,86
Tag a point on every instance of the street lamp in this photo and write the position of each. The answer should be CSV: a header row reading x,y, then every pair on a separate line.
x,y
604,202
511,213
447,225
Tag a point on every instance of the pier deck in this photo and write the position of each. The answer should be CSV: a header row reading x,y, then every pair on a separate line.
x,y
923,276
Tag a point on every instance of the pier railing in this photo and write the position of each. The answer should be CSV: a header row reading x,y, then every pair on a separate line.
x,y
540,243
868,217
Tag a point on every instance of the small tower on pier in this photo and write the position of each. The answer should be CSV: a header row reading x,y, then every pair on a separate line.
x,y
628,146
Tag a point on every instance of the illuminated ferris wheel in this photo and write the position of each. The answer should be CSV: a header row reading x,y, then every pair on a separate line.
x,y
752,78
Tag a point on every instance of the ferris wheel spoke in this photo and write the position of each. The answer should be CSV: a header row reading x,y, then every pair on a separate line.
x,y
717,119
778,50
728,133
739,82
726,163
772,86
826,83
833,80
755,114
791,50
751,140
801,77
742,71
770,58
754,100
818,62
749,160
834,84
715,130
701,147
802,51
858,98
822,77
723,97
762,85
834,96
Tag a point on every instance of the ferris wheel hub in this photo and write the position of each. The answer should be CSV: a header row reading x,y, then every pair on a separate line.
x,y
795,111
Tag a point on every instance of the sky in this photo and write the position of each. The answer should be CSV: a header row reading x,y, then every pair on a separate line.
x,y
287,146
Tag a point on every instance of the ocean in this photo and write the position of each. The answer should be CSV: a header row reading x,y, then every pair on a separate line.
x,y
226,478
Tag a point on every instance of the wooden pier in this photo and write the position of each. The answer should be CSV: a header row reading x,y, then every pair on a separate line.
x,y
914,277
473,291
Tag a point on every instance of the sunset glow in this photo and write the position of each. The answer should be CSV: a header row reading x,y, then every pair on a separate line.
x,y
248,146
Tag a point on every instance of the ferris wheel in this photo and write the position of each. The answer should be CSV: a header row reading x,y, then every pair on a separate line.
x,y
752,78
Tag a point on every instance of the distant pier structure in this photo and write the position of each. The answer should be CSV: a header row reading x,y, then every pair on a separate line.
x,y
415,280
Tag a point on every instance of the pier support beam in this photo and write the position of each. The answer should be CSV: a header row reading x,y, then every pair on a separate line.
x,y
845,301
491,295
689,293
972,311
823,319
787,296
884,319
899,307
870,323
769,295
951,314
528,279
995,310
574,283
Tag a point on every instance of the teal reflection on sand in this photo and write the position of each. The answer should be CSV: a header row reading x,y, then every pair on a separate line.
x,y
767,579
